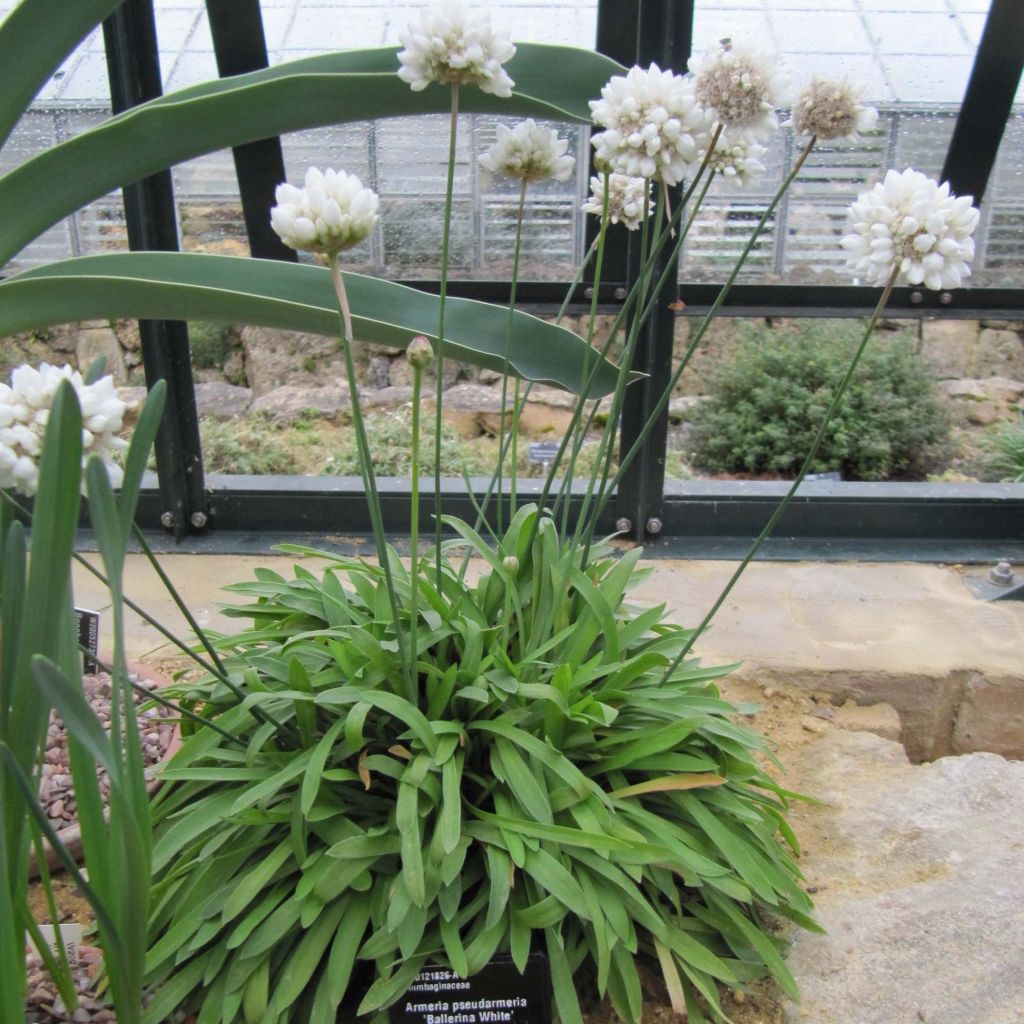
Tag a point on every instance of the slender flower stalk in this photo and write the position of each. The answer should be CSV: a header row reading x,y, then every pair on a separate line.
x,y
419,355
439,352
516,409
366,467
776,515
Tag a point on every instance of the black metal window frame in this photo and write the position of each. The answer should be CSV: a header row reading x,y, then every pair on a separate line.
x,y
699,519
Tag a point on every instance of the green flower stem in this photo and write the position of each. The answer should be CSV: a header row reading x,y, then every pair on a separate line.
x,y
666,395
369,477
414,514
578,431
819,437
439,354
504,372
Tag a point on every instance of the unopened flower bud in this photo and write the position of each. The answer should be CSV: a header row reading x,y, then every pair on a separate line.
x,y
510,564
419,354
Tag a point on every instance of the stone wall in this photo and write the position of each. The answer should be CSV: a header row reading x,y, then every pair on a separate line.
x,y
979,364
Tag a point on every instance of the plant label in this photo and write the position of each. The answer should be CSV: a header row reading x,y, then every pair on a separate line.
x,y
88,638
497,994
70,936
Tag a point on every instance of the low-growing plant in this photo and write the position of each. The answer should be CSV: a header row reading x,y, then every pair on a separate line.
x,y
764,407
554,783
1003,457
209,344
390,437
245,445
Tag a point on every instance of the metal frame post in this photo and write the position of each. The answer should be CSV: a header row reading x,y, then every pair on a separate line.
x,y
988,101
240,46
664,34
133,66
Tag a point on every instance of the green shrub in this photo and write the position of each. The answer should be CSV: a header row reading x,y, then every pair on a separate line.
x,y
390,434
764,408
552,783
209,343
1003,459
244,446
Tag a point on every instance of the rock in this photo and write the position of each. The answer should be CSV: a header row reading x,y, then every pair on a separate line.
x,y
986,400
947,346
400,374
681,405
998,353
881,719
222,401
991,717
377,372
810,723
288,403
919,872
101,342
276,358
134,399
386,398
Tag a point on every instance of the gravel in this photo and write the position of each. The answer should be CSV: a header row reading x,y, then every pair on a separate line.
x,y
156,730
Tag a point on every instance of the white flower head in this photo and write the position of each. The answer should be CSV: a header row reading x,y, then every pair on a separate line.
x,y
332,212
737,160
741,86
529,152
654,126
625,199
25,409
911,223
453,45
831,109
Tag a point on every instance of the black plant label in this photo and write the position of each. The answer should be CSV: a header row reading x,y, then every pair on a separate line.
x,y
497,994
88,638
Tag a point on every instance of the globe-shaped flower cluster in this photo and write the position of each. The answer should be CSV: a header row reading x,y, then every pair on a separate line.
x,y
332,212
654,126
626,199
831,109
25,410
453,45
529,152
910,224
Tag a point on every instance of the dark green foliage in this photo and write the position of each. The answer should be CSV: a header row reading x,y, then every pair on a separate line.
x,y
764,408
209,343
549,784
1004,453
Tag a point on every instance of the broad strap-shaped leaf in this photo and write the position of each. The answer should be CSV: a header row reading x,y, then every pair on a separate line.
x,y
199,286
34,38
551,82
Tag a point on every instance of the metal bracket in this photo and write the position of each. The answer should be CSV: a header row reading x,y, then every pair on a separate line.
x,y
998,584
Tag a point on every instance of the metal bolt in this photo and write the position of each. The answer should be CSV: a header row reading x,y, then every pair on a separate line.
x,y
1001,574
946,298
917,298
588,293
654,525
198,520
619,293
167,520
624,525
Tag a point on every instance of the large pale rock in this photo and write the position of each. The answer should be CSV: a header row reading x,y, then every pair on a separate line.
x,y
991,717
998,353
288,403
918,872
985,400
222,401
276,358
101,342
947,345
